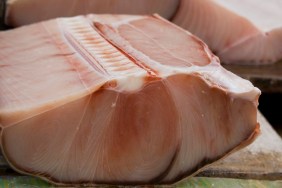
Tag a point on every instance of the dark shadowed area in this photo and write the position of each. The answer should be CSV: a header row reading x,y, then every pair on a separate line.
x,y
270,106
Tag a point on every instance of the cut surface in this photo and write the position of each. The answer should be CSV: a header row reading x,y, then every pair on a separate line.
x,y
248,32
117,100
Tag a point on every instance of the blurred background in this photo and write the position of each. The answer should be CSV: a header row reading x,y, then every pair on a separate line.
x,y
270,106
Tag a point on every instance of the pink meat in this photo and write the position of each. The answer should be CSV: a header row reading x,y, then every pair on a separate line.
x,y
118,99
239,32
22,12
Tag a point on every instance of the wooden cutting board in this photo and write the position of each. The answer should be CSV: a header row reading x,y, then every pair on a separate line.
x,y
261,160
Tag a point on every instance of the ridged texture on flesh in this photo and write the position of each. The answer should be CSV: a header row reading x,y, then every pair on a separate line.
x,y
249,32
118,100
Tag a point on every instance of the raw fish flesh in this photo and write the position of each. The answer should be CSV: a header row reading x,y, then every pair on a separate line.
x,y
239,32
118,99
22,12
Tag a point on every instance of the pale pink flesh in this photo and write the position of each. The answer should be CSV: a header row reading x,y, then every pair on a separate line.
x,y
105,99
248,32
23,12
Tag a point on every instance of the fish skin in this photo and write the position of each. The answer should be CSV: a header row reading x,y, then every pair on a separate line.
x,y
109,111
248,32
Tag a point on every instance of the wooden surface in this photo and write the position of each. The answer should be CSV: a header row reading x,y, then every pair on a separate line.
x,y
262,160
268,78
195,182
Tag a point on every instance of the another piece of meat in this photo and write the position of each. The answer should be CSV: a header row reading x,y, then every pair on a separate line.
x,y
248,32
23,12
239,32
118,99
